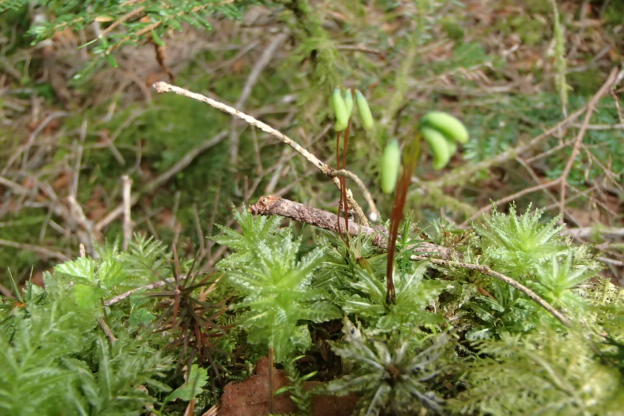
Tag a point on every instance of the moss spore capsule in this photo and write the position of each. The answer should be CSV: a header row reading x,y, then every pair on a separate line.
x,y
448,125
348,99
340,110
439,147
365,112
390,166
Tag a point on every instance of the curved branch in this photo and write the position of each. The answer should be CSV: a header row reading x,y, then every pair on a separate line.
x,y
163,87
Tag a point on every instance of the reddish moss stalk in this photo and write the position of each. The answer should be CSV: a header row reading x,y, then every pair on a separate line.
x,y
412,155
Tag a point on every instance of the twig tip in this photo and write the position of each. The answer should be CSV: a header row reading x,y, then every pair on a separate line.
x,y
161,86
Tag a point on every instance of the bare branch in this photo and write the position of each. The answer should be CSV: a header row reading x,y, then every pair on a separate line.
x,y
163,87
274,205
131,292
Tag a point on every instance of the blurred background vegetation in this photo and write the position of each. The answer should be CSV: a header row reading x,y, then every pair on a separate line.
x,y
77,113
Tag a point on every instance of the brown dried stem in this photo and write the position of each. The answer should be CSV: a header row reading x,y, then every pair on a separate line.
x,y
274,205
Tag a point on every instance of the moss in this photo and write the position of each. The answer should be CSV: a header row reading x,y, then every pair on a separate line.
x,y
585,82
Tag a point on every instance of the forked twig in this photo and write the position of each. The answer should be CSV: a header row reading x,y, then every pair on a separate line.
x,y
163,87
374,214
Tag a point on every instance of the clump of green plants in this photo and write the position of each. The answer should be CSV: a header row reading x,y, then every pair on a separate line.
x,y
535,254
543,372
276,285
392,375
365,297
63,352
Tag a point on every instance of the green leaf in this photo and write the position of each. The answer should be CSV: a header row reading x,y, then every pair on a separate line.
x,y
197,379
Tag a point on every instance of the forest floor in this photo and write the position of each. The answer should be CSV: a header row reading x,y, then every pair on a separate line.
x,y
543,130
88,161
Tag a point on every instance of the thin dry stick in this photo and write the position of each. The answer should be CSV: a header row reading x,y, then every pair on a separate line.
x,y
614,77
162,87
127,205
89,236
374,214
511,282
274,205
584,232
603,126
107,330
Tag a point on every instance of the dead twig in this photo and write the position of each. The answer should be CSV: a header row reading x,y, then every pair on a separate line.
x,y
163,87
107,330
584,232
88,238
131,292
274,205
511,282
374,214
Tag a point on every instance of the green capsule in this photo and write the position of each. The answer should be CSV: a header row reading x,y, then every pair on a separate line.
x,y
365,112
348,99
439,147
390,166
448,125
340,110
452,146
